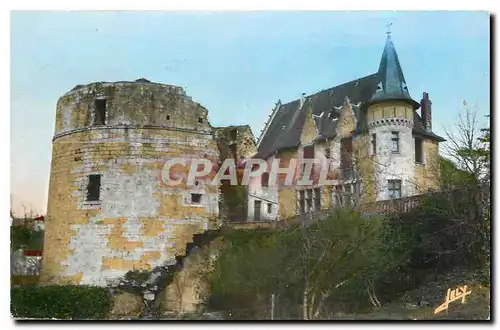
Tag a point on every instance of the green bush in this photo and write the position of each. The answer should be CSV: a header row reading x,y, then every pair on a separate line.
x,y
60,302
26,238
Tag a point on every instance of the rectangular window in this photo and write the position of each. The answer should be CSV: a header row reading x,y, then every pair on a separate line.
x,y
346,153
418,151
309,200
394,189
317,199
94,187
100,112
195,198
265,179
348,195
256,210
302,206
338,195
233,134
269,208
309,152
374,144
395,142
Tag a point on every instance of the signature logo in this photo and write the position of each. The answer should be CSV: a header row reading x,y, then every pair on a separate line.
x,y
451,296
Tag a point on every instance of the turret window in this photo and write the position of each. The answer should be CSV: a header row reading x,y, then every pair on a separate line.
x,y
394,189
374,144
395,142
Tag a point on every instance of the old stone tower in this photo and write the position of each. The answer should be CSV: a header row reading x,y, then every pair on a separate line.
x,y
108,209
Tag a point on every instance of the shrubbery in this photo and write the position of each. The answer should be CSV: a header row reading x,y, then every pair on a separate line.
x,y
60,302
346,263
26,238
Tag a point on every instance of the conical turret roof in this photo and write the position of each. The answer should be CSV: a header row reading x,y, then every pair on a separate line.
x,y
391,84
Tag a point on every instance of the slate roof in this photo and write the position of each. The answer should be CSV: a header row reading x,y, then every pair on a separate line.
x,y
285,129
387,84
391,83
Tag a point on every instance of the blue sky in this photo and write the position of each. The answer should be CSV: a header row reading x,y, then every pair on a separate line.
x,y
236,64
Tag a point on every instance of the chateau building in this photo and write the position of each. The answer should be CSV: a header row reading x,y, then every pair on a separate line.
x,y
370,131
109,210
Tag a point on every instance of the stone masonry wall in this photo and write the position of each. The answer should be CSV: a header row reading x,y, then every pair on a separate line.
x,y
139,222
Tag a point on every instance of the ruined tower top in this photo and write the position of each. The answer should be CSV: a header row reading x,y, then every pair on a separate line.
x,y
139,103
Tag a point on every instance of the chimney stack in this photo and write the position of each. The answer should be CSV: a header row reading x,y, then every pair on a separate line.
x,y
426,112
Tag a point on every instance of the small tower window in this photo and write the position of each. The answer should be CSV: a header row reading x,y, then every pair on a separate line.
x,y
395,142
374,144
394,189
100,112
168,117
94,187
200,120
418,151
195,198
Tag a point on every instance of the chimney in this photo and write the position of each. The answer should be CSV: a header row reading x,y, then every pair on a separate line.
x,y
426,112
302,100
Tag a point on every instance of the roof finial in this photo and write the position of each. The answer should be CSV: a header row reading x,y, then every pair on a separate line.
x,y
388,29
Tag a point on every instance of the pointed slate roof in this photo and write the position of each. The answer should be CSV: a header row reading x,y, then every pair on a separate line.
x,y
387,84
391,83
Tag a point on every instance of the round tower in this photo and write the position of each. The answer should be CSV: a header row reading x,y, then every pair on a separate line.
x,y
390,115
109,210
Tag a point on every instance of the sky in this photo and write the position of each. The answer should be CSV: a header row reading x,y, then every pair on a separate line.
x,y
236,64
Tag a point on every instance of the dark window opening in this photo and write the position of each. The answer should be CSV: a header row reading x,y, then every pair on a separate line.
x,y
394,189
317,199
256,210
338,195
94,188
100,112
309,152
265,179
374,144
309,199
348,195
168,117
200,120
395,142
269,208
302,206
346,153
233,134
418,151
195,198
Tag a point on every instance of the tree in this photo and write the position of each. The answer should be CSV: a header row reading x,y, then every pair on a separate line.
x,y
468,144
304,266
